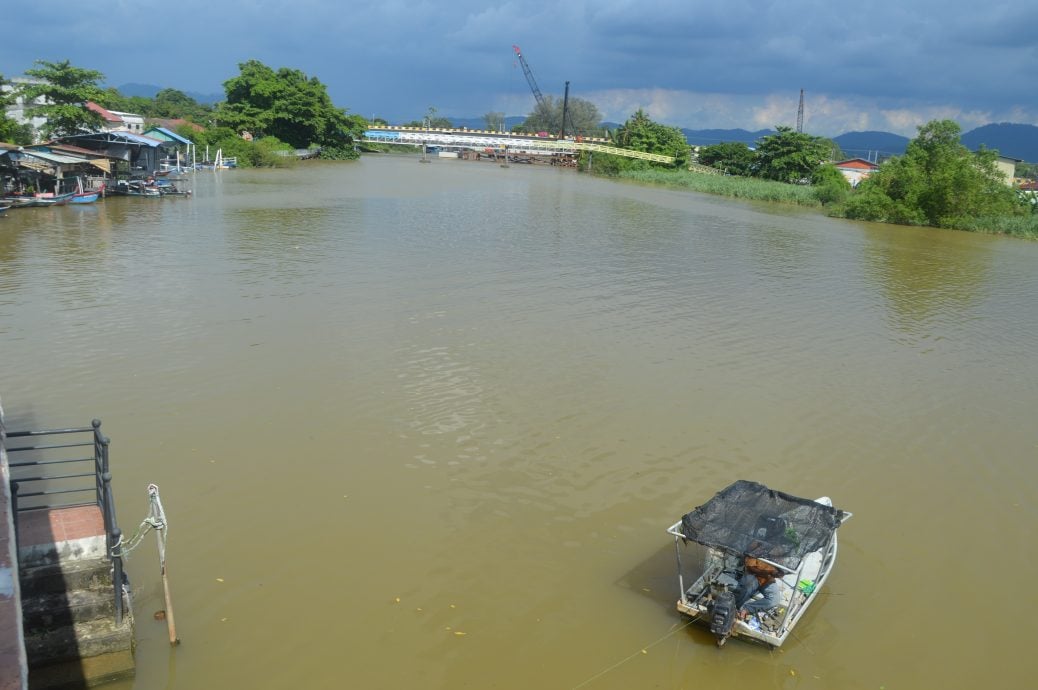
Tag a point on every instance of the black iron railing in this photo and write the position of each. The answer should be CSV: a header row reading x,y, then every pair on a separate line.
x,y
48,478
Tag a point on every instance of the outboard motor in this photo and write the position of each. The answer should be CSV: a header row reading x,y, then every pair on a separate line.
x,y
722,617
722,613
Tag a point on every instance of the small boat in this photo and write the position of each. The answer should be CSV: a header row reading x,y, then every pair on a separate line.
x,y
135,188
3,209
169,189
86,196
48,199
743,527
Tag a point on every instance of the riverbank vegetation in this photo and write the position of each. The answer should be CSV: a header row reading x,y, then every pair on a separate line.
x,y
938,182
725,185
267,113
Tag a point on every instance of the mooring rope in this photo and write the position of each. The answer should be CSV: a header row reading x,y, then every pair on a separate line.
x,y
156,520
643,650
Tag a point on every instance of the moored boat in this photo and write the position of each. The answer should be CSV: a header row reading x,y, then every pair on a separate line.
x,y
134,188
48,199
765,555
86,196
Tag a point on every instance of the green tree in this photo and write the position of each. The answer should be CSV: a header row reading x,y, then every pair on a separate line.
x,y
640,133
171,103
831,187
937,182
432,121
112,99
64,90
495,121
288,105
790,156
733,157
10,131
582,117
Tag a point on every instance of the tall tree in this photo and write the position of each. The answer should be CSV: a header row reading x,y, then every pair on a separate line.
x,y
734,157
582,117
790,156
495,121
937,182
171,103
64,91
288,105
640,133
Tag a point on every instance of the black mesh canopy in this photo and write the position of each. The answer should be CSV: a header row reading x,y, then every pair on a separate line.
x,y
749,518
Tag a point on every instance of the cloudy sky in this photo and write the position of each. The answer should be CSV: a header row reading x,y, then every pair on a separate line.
x,y
866,65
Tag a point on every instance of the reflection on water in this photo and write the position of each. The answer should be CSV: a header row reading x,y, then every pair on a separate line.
x,y
924,279
388,403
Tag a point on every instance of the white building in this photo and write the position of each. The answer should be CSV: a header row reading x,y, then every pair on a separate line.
x,y
16,110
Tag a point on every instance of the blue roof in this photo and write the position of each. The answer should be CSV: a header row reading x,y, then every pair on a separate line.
x,y
139,138
117,135
170,134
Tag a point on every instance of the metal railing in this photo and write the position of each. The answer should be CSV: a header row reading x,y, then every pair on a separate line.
x,y
56,481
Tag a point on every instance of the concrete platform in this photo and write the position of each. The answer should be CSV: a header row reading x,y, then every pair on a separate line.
x,y
56,577
14,670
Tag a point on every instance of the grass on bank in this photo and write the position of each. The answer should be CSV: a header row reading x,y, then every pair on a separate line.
x,y
1021,226
728,185
1024,227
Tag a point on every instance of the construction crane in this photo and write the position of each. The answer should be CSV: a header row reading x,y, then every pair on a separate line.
x,y
529,75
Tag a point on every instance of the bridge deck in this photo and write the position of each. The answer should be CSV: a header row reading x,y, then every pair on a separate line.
x,y
500,141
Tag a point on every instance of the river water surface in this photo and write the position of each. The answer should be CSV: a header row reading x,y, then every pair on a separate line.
x,y
424,426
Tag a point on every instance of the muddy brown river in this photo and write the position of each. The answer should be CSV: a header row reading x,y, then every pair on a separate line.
x,y
424,426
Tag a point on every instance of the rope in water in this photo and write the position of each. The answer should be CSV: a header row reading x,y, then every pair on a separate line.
x,y
624,661
156,520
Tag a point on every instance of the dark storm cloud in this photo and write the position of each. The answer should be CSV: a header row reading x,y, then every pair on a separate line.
x,y
878,64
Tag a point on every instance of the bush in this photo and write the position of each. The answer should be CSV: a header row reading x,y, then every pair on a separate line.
x,y
868,204
831,187
339,153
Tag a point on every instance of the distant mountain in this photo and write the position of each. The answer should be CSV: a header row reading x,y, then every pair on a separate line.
x,y
709,137
149,91
871,145
1011,140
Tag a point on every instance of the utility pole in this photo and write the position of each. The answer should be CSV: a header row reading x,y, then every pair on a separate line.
x,y
800,113
565,108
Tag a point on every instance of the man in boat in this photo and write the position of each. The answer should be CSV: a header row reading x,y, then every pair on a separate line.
x,y
762,577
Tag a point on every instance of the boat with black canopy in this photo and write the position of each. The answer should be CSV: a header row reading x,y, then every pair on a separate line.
x,y
745,532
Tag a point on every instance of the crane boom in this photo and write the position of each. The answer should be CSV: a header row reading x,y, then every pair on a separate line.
x,y
529,75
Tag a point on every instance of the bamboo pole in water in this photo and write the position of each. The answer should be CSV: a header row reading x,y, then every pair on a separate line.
x,y
160,534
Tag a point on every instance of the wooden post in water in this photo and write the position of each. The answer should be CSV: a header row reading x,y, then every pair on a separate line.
x,y
160,534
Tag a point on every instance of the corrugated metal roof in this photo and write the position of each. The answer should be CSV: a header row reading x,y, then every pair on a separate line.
x,y
55,157
139,138
171,135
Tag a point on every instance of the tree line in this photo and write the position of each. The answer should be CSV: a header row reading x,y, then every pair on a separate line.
x,y
937,182
280,110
